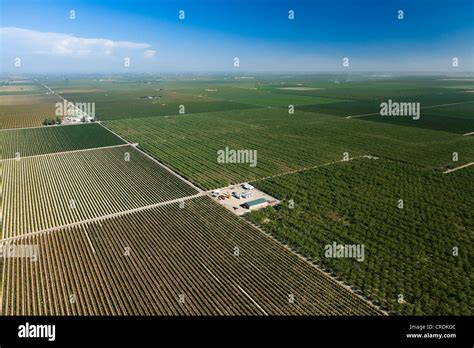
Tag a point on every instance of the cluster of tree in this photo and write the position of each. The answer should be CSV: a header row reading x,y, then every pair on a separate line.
x,y
416,254
52,121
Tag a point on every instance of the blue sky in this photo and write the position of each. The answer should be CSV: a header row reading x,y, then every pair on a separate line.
x,y
258,32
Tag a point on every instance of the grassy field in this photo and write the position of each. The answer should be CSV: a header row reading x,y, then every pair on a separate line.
x,y
189,143
44,140
58,189
357,203
170,261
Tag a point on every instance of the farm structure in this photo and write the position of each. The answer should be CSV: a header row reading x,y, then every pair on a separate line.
x,y
241,202
255,204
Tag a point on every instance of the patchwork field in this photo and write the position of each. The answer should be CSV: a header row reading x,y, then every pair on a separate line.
x,y
169,261
189,143
456,105
357,203
119,234
45,140
54,190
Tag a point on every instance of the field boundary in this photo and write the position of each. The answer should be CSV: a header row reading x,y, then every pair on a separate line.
x,y
315,166
315,265
136,147
457,168
71,151
238,287
155,160
50,126
103,217
294,171
424,107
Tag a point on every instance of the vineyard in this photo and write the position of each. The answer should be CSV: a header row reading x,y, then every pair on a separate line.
x,y
411,265
194,260
283,142
53,190
119,234
22,109
18,116
365,97
45,140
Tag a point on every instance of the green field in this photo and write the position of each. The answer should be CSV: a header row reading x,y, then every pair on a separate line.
x,y
434,95
174,250
123,104
38,141
256,97
408,251
189,143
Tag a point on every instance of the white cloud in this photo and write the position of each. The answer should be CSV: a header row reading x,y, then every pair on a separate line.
x,y
65,45
149,53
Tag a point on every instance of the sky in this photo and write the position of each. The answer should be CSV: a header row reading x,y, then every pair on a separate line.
x,y
42,36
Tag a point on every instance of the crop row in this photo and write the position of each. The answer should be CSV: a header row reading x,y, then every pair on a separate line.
x,y
198,259
19,116
53,190
39,141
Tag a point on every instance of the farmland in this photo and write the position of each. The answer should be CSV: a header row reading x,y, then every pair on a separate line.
x,y
365,98
357,202
283,142
120,234
45,140
18,111
127,100
255,96
58,189
19,87
169,261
